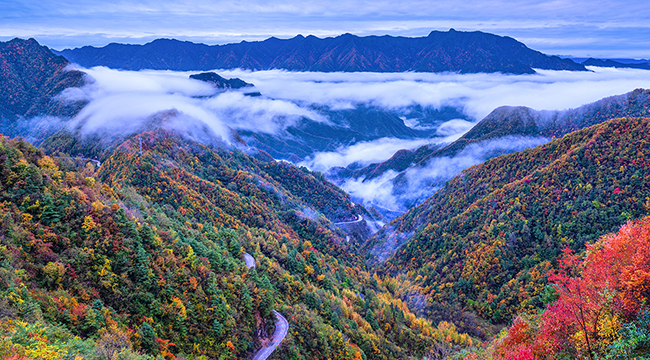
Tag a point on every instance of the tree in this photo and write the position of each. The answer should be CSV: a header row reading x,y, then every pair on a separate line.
x,y
148,336
50,214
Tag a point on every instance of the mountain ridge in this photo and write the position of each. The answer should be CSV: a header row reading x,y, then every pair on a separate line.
x,y
30,78
455,51
495,229
519,121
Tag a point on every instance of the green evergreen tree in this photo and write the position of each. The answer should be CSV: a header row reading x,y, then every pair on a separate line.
x,y
148,335
50,214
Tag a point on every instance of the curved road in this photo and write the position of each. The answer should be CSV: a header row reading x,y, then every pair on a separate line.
x,y
250,260
359,219
281,329
281,324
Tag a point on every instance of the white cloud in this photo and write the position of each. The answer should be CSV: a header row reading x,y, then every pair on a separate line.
x,y
375,192
422,182
454,127
478,94
121,100
363,153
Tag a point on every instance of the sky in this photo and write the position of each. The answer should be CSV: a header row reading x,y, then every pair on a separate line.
x,y
580,28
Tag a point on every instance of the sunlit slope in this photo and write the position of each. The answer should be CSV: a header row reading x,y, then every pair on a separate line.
x,y
145,255
484,242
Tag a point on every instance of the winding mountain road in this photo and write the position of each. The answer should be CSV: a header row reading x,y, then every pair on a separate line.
x,y
358,220
281,324
281,329
250,260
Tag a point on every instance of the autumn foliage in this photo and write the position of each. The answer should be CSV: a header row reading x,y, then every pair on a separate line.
x,y
484,243
142,259
601,307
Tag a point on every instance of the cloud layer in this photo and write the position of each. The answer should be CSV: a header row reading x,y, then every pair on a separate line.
x,y
362,153
478,94
121,101
419,183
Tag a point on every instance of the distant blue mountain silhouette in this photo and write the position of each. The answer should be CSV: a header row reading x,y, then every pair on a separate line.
x,y
455,51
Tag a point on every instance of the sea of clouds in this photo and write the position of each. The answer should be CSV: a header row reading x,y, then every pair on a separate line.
x,y
119,102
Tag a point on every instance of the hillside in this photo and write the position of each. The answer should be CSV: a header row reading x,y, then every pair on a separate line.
x,y
517,121
30,77
506,120
456,51
596,304
484,242
144,257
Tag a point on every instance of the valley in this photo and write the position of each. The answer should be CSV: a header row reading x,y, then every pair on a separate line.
x,y
340,210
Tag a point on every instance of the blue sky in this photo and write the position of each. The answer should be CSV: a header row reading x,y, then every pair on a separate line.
x,y
567,27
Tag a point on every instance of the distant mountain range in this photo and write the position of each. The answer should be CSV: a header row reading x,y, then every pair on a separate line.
x,y
455,51
620,63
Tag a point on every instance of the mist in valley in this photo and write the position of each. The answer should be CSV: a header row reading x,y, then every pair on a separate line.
x,y
122,103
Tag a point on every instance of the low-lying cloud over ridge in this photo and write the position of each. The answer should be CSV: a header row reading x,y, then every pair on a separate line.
x,y
478,94
121,101
417,183
361,153
122,97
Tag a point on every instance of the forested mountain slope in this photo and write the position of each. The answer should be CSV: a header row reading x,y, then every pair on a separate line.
x,y
144,257
30,78
457,51
485,241
517,121
596,305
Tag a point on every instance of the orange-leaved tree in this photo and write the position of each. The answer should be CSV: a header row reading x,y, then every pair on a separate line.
x,y
597,294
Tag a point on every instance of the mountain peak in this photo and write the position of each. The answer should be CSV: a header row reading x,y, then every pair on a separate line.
x,y
465,52
32,75
220,82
